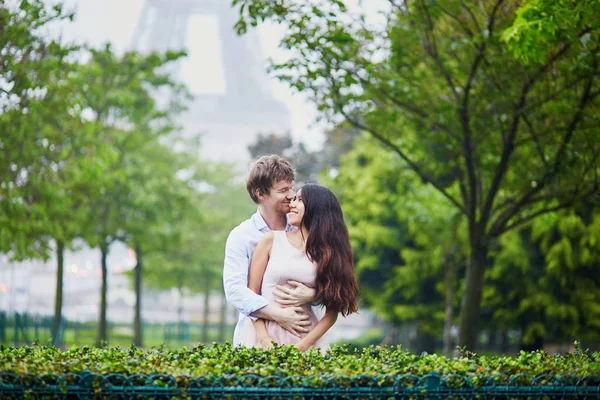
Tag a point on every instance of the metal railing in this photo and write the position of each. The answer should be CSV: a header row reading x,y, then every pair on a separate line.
x,y
435,386
20,329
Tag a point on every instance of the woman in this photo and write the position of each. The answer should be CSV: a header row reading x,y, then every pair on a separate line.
x,y
317,254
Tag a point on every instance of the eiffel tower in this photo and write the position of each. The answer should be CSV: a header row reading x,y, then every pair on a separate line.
x,y
231,121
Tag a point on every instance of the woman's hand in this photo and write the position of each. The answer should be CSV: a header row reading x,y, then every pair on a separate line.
x,y
265,342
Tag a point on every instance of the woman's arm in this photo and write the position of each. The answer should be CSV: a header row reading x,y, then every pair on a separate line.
x,y
319,330
260,258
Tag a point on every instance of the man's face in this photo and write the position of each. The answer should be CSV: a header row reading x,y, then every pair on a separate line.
x,y
279,197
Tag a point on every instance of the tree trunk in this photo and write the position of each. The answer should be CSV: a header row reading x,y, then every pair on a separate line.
x,y
536,344
471,301
493,341
391,336
505,344
449,314
206,310
101,339
137,321
222,317
180,324
424,342
180,302
58,302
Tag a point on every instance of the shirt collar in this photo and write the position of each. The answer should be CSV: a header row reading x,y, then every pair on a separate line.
x,y
259,221
262,226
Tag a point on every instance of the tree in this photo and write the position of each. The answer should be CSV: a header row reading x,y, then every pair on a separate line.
x,y
31,70
118,93
308,164
541,25
304,162
51,157
161,200
195,262
544,282
500,139
408,245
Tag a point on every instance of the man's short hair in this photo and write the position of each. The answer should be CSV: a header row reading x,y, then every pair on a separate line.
x,y
265,171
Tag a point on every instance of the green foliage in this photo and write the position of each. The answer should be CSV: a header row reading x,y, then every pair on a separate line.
x,y
195,260
403,234
139,187
543,280
285,361
542,27
35,141
308,164
502,141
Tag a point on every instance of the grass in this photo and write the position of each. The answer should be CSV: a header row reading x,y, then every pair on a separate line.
x,y
119,335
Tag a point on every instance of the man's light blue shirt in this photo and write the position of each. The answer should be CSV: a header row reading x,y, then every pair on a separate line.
x,y
238,254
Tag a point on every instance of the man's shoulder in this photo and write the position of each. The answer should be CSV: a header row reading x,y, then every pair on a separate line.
x,y
242,230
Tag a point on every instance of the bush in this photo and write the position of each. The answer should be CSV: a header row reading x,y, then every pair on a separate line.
x,y
219,359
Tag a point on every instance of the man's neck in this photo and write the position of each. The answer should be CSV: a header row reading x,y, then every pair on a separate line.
x,y
275,221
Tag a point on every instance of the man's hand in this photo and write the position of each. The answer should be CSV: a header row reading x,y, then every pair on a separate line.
x,y
293,320
294,296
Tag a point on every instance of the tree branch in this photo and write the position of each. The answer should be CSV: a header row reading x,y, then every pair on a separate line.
x,y
508,141
500,223
431,48
462,3
468,147
425,177
536,140
530,217
419,112
455,18
398,7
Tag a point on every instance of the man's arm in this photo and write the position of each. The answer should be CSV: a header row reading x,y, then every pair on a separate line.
x,y
235,277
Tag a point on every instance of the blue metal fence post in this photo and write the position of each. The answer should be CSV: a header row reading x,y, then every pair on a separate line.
x,y
2,326
56,341
17,320
433,385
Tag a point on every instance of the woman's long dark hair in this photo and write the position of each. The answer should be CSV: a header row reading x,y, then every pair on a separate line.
x,y
328,245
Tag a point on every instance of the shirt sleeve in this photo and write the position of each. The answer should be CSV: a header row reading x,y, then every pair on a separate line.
x,y
235,277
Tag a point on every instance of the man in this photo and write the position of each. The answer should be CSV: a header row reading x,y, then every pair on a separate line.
x,y
270,185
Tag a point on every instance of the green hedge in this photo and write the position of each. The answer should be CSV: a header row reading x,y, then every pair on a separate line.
x,y
218,359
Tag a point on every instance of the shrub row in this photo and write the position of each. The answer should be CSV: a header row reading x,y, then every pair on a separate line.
x,y
219,359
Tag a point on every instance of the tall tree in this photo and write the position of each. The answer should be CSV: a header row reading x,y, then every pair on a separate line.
x,y
409,245
51,157
195,262
436,84
308,164
161,199
118,93
544,282
32,68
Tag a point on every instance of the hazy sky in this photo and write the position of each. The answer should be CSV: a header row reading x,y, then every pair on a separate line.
x,y
101,21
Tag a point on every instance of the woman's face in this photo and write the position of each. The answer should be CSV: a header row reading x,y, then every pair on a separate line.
x,y
296,210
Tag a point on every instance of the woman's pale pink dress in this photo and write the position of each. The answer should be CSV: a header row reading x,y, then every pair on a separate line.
x,y
285,263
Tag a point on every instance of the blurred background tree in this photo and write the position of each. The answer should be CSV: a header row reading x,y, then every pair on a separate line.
x,y
504,141
463,144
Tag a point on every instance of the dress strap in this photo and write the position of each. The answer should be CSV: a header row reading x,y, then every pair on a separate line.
x,y
278,236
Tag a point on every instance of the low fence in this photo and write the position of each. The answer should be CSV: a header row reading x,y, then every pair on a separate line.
x,y
117,386
20,329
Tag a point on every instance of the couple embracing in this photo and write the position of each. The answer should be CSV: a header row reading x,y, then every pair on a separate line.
x,y
294,252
